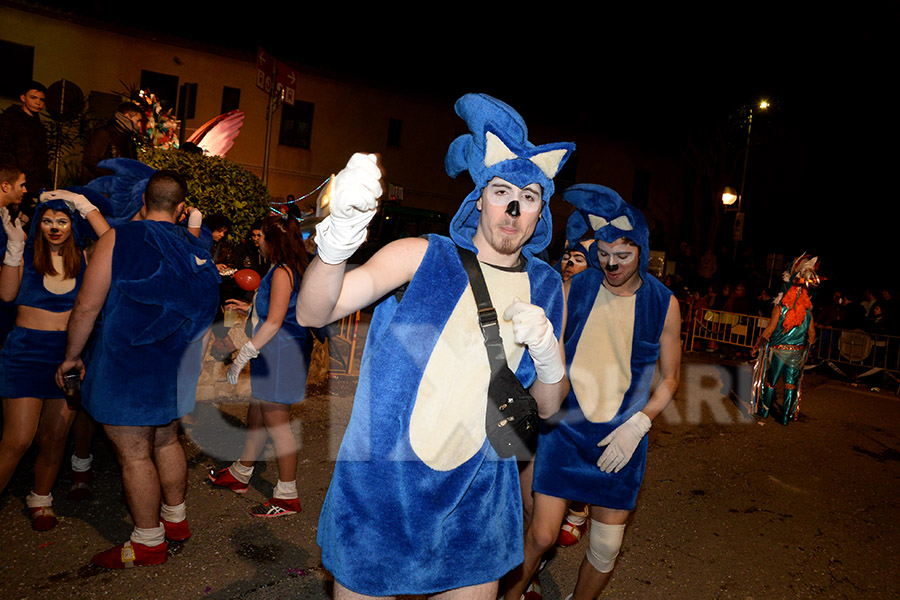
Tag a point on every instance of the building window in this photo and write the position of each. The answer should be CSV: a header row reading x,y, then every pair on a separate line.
x,y
231,99
395,129
18,64
164,86
296,124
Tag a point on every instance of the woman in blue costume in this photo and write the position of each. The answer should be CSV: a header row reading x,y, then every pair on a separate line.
x,y
43,276
279,354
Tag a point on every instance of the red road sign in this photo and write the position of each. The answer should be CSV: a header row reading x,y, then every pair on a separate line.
x,y
265,70
287,78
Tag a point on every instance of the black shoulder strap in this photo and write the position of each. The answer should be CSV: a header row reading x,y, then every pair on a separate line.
x,y
487,316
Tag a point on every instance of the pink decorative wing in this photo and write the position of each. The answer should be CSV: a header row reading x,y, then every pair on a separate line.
x,y
217,136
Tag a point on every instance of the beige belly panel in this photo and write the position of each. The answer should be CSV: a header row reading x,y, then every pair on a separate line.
x,y
601,369
447,423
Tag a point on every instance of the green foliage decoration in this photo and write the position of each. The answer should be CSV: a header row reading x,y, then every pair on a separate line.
x,y
216,185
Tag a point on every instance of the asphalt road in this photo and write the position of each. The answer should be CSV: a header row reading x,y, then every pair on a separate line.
x,y
731,507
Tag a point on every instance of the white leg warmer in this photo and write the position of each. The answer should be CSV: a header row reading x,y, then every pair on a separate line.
x,y
605,541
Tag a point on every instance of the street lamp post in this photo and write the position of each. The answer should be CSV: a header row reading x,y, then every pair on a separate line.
x,y
763,105
728,195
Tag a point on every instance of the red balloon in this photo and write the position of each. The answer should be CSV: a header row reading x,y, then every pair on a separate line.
x,y
247,279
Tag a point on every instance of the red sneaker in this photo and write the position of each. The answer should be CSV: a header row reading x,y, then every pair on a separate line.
x,y
570,534
177,532
81,485
131,554
534,591
43,518
225,479
276,507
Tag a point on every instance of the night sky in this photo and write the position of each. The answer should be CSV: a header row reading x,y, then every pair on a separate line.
x,y
822,157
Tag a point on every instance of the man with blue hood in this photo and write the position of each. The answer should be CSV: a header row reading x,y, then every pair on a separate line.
x,y
620,323
420,502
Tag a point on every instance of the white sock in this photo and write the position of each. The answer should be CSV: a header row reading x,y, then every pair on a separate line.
x,y
576,519
80,465
240,472
285,490
32,500
149,537
173,514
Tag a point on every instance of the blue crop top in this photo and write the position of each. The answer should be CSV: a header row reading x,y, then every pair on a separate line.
x,y
33,293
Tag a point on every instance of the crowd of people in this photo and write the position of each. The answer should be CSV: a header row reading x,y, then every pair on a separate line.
x,y
425,497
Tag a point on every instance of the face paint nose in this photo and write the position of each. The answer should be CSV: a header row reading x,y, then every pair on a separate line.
x,y
54,230
512,209
570,264
611,266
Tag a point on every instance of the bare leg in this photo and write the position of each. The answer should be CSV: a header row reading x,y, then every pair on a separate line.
x,y
484,591
591,581
342,593
277,418
56,418
134,447
526,477
20,423
539,537
83,434
256,434
168,455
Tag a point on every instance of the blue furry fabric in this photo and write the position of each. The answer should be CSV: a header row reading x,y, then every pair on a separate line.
x,y
391,524
144,363
566,461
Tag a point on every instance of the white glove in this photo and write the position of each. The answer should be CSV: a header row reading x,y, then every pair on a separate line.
x,y
532,328
247,352
15,239
623,440
195,218
353,204
76,201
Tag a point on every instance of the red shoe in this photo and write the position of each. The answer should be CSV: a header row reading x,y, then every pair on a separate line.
x,y
570,534
81,485
131,554
225,479
534,590
43,518
276,507
177,532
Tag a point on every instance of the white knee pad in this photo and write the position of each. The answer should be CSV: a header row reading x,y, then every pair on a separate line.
x,y
605,541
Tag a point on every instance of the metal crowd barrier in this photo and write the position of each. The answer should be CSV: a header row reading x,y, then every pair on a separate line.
x,y
848,347
342,345
858,348
722,328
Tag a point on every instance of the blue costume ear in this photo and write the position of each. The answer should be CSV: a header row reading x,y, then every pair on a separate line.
x,y
603,214
498,146
124,188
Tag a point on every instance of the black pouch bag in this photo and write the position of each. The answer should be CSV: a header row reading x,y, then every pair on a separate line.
x,y
511,419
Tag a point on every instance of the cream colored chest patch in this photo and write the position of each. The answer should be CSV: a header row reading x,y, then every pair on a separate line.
x,y
446,427
58,284
601,369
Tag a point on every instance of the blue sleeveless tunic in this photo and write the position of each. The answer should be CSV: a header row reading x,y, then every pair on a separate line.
x,y
566,461
392,524
143,366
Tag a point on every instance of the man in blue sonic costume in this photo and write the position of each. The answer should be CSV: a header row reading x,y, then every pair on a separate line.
x,y
420,503
620,322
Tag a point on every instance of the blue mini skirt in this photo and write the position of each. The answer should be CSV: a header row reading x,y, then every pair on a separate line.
x,y
29,361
